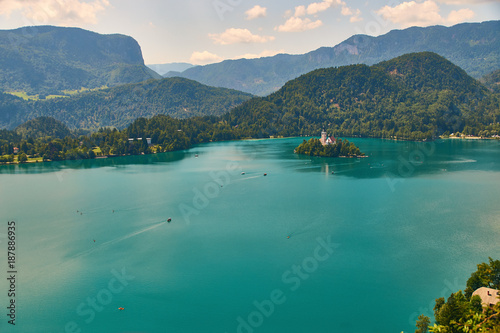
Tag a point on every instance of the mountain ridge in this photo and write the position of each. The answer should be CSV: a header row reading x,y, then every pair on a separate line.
x,y
415,96
50,59
473,46
119,106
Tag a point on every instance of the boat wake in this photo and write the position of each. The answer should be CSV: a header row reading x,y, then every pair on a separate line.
x,y
247,178
116,240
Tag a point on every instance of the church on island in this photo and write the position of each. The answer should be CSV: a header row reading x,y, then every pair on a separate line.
x,y
327,140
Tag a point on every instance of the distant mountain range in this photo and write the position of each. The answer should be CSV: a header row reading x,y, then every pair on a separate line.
x,y
165,69
415,96
475,47
119,106
49,60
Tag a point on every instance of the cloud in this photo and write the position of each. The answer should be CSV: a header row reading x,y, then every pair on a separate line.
x,y
294,24
317,7
300,11
412,13
298,23
256,12
67,12
465,2
234,35
204,58
356,17
458,16
346,11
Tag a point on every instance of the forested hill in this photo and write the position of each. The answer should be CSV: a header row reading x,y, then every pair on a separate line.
x,y
43,127
120,106
475,47
48,60
415,96
492,81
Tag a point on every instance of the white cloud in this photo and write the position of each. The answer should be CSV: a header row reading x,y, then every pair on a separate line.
x,y
300,11
424,14
356,17
68,12
204,58
465,2
294,24
459,16
256,12
8,6
298,23
234,35
317,7
346,11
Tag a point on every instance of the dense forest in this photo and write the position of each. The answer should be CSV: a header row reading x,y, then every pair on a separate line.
x,y
413,97
119,106
492,81
341,148
464,313
46,139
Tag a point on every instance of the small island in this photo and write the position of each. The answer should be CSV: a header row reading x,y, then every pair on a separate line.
x,y
328,147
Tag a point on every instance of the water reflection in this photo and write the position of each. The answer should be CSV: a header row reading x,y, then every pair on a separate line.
x,y
34,168
386,158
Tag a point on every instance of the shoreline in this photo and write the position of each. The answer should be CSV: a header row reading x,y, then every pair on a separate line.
x,y
468,138
270,138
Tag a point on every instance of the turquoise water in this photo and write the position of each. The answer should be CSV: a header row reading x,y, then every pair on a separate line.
x,y
370,246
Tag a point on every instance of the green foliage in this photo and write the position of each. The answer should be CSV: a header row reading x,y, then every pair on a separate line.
x,y
463,313
455,308
414,97
423,324
42,127
47,60
166,133
313,147
177,97
399,99
487,275
492,81
22,157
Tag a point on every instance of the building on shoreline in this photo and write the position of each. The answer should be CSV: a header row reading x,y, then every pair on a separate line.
x,y
489,296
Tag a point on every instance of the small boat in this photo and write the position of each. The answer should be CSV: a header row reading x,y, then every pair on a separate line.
x,y
243,173
169,220
121,309
265,174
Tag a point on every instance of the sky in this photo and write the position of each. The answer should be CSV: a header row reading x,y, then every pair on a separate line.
x,y
207,31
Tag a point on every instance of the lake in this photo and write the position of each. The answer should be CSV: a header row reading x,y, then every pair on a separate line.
x,y
315,245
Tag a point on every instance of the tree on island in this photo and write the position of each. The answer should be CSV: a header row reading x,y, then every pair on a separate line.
x,y
341,148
